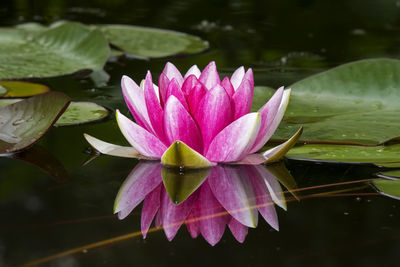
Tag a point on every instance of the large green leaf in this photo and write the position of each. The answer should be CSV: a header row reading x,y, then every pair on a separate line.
x,y
353,103
61,50
390,174
25,122
346,153
150,42
390,188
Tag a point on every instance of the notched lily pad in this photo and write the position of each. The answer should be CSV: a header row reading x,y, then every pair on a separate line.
x,y
82,112
25,122
356,103
151,42
390,174
60,50
22,89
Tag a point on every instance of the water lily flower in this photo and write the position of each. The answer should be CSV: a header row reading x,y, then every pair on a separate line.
x,y
227,196
197,120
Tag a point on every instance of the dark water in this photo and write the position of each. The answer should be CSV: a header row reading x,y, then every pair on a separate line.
x,y
283,42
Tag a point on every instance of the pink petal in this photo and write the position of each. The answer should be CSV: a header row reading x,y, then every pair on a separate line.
x,y
154,108
213,114
238,230
151,205
194,70
134,98
179,125
274,188
235,140
143,179
173,73
163,83
209,77
194,92
192,222
173,216
213,217
144,142
235,193
243,97
264,201
226,83
268,113
237,77
175,90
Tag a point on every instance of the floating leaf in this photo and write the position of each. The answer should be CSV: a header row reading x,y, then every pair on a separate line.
x,y
181,155
25,122
389,165
346,153
61,50
151,42
23,89
82,112
353,103
180,185
390,174
390,188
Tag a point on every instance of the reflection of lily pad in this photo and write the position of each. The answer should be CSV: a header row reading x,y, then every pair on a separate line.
x,y
3,90
390,188
61,50
345,153
23,89
353,103
82,112
150,42
25,122
76,113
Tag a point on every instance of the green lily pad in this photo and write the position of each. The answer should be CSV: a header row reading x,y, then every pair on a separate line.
x,y
61,50
180,185
23,89
390,174
180,155
346,153
3,90
25,122
390,188
151,42
82,112
77,112
389,165
356,103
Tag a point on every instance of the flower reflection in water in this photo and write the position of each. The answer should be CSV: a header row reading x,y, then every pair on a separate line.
x,y
205,200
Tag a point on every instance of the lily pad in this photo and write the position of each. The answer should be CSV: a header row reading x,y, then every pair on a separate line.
x,y
346,153
390,174
390,188
25,122
77,112
180,185
356,103
151,42
389,165
61,50
82,112
22,89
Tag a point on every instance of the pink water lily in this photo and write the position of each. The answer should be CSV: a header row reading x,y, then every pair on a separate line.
x,y
210,117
